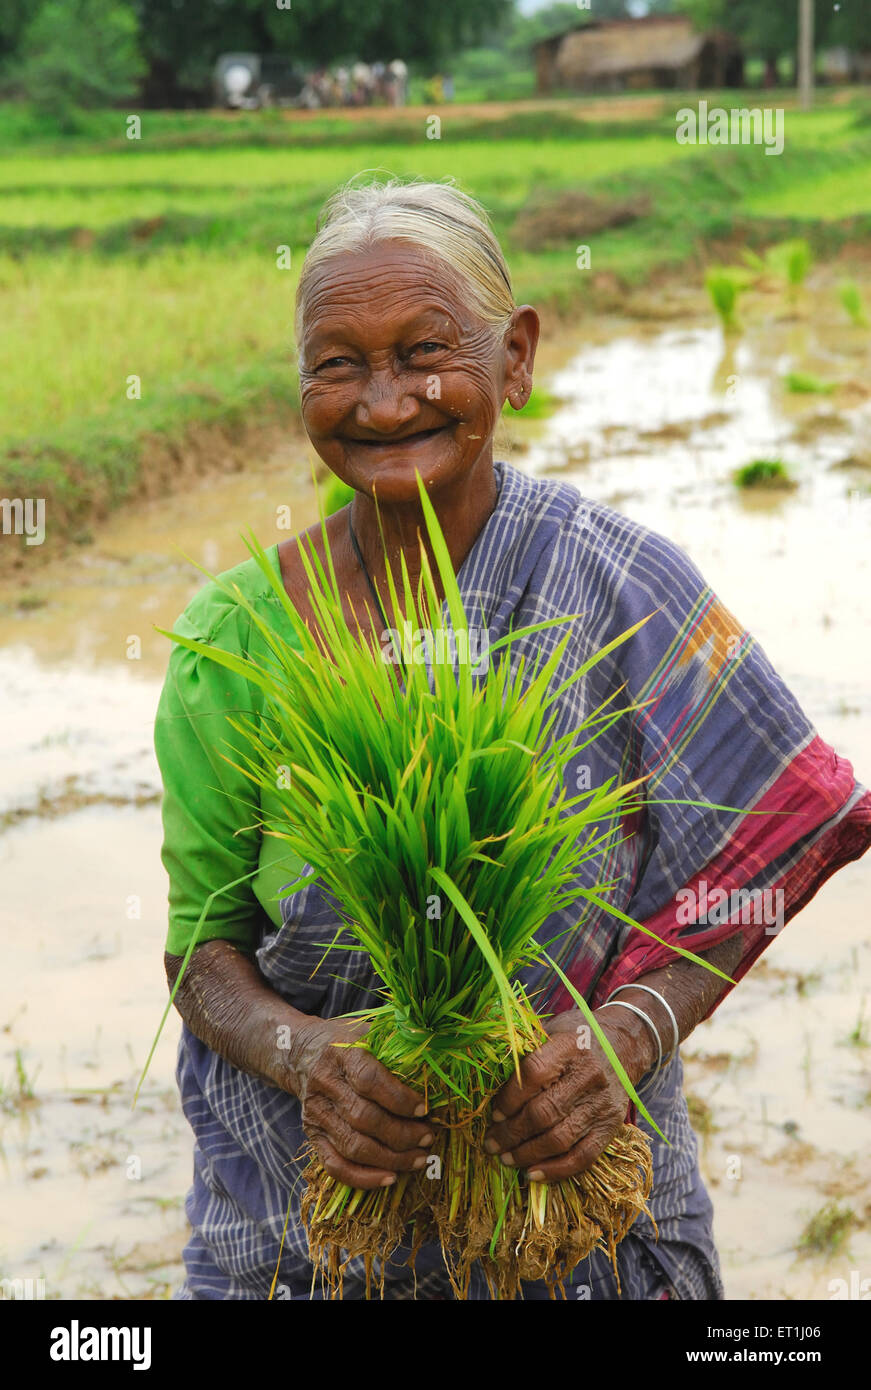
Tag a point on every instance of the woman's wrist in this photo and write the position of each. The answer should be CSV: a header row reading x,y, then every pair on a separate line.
x,y
227,1004
278,1036
631,1038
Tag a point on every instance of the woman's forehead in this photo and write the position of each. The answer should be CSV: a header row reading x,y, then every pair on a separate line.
x,y
402,282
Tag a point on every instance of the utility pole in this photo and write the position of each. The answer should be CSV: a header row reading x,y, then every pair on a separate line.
x,y
806,54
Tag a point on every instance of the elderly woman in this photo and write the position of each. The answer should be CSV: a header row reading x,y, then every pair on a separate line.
x,y
410,343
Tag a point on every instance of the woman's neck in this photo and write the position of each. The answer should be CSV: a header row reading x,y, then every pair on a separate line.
x,y
462,511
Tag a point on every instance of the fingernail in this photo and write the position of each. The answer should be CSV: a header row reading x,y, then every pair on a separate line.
x,y
507,1160
421,1109
427,1139
419,1162
491,1146
389,1180
498,1116
536,1175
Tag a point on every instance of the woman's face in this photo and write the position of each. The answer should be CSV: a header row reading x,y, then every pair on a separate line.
x,y
398,376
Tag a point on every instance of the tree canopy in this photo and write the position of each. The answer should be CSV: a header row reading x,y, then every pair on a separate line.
x,y
773,27
175,42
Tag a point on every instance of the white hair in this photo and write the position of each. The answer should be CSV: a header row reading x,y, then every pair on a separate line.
x,y
439,218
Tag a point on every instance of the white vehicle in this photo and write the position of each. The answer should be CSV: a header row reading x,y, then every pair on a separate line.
x,y
247,81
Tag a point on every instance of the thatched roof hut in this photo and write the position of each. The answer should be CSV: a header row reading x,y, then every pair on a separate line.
x,y
658,51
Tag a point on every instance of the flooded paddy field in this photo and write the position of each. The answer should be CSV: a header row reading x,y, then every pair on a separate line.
x,y
779,1080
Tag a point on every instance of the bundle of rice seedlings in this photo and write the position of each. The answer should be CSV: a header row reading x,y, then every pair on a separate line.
x,y
724,285
431,803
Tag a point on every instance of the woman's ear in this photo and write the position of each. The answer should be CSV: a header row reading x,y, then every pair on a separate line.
x,y
521,341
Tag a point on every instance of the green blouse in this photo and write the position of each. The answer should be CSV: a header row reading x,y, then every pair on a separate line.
x,y
212,812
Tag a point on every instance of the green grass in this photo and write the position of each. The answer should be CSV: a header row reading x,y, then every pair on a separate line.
x,y
725,284
826,1232
842,193
764,473
157,258
850,297
808,384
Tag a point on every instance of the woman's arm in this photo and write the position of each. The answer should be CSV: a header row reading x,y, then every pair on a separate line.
x,y
362,1119
570,1103
225,1002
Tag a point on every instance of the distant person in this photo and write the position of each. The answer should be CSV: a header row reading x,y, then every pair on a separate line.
x,y
361,75
399,72
379,84
448,88
343,85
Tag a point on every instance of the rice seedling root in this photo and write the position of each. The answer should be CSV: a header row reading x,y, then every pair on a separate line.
x,y
478,1210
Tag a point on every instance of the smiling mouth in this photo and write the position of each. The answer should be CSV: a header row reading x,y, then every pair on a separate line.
x,y
406,441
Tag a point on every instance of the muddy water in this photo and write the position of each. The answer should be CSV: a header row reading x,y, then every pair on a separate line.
x,y
780,1078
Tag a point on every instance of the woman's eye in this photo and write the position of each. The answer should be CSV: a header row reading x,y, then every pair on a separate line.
x,y
333,362
427,347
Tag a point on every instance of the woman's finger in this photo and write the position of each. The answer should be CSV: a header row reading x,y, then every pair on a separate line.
x,y
354,1174
537,1071
368,1118
580,1156
351,1145
540,1114
555,1142
369,1078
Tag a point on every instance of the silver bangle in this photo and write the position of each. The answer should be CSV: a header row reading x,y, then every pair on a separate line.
x,y
665,1004
621,1004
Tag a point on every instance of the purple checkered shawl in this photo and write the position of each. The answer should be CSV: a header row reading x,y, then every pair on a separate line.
x,y
719,726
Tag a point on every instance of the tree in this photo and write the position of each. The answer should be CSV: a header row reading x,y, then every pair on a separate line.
x,y
182,38
558,18
772,29
78,53
546,23
15,15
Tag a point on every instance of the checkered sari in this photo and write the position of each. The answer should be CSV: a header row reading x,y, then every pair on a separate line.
x,y
717,726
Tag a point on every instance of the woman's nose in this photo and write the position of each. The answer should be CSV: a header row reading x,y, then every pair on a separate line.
x,y
385,403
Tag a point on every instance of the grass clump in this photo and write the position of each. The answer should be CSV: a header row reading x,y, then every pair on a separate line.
x,y
764,473
790,260
851,300
540,406
826,1232
808,384
724,285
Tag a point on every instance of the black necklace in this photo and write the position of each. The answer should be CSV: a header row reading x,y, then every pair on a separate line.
x,y
358,552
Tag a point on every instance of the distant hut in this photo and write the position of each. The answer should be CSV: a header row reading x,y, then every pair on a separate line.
x,y
630,54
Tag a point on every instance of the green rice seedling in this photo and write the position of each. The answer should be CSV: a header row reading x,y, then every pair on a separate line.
x,y
851,300
808,384
790,260
540,406
764,473
439,821
724,285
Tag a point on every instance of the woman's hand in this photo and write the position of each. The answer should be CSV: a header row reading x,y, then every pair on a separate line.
x,y
569,1103
359,1116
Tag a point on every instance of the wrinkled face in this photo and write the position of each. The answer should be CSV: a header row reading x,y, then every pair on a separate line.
x,y
396,374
